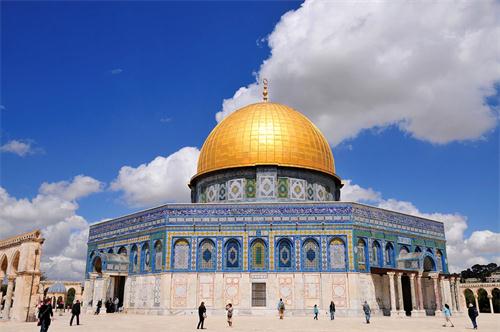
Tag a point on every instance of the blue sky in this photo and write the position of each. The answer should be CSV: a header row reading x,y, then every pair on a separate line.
x,y
92,87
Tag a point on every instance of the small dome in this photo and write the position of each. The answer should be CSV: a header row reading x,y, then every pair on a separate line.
x,y
57,288
266,134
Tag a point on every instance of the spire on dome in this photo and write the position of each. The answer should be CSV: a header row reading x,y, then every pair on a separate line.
x,y
265,92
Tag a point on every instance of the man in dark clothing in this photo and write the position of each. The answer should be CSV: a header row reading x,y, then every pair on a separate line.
x,y
472,311
367,311
75,311
45,315
98,308
332,310
202,313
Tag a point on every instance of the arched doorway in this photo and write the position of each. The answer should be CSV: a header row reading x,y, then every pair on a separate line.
x,y
482,301
97,266
469,297
406,288
70,297
496,300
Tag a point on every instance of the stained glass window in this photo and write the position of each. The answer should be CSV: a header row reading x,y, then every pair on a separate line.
x,y
258,255
146,257
337,254
207,255
389,253
232,254
158,255
310,253
284,254
181,254
361,247
439,260
133,257
375,253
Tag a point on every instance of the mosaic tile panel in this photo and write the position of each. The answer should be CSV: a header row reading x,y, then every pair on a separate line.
x,y
266,186
236,189
337,254
310,252
250,188
320,192
181,255
222,192
310,192
297,189
212,193
282,187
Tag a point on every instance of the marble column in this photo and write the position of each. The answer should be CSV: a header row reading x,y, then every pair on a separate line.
x,y
8,297
453,297
412,288
490,297
392,292
420,292
457,296
400,295
437,292
415,312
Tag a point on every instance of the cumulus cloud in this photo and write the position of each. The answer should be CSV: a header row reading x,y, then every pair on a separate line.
x,y
20,147
53,210
162,180
479,248
424,67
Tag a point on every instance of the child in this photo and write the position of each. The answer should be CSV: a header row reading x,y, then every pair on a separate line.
x,y
447,315
316,312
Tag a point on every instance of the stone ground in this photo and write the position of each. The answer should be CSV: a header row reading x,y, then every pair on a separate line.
x,y
143,323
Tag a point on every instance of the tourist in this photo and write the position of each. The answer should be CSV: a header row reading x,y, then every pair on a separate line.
x,y
229,309
447,315
316,312
45,316
98,308
367,311
332,310
202,314
75,311
473,315
116,302
281,308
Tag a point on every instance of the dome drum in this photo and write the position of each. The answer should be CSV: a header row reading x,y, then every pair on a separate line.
x,y
265,183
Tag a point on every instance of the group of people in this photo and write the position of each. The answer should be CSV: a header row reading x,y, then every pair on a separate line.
x,y
45,314
110,305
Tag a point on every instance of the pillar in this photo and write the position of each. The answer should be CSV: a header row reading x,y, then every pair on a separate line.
x,y
437,292
8,297
416,311
490,297
452,290
400,295
392,292
420,293
457,297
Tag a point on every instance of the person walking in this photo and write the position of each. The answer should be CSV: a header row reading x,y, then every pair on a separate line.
x,y
472,311
281,308
447,315
202,314
229,308
45,316
332,310
367,311
75,312
98,308
316,311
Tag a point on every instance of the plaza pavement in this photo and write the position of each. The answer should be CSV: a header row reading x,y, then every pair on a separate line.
x,y
143,323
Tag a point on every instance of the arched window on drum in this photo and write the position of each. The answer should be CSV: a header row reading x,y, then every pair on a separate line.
x,y
181,255
439,260
232,250
337,254
403,252
258,255
285,254
361,255
207,255
310,254
158,256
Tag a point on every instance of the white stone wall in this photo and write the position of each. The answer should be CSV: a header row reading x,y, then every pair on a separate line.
x,y
181,293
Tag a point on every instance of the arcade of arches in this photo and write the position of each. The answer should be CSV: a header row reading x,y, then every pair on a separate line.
x,y
20,269
72,291
483,295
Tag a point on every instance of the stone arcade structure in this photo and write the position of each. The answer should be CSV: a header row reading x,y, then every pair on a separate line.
x,y
20,268
266,222
473,292
65,288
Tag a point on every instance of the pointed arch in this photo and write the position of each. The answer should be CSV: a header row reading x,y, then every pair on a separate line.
x,y
145,258
258,255
158,255
376,253
311,255
361,254
337,252
134,259
285,254
207,255
389,254
232,254
181,254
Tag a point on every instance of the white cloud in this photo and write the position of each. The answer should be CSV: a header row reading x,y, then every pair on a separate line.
x,y
350,66
53,210
20,147
116,71
164,179
480,248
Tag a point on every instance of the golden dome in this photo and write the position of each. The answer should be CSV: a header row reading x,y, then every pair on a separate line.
x,y
266,134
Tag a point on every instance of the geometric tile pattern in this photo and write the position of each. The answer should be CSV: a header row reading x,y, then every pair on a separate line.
x,y
320,194
235,189
337,254
212,193
266,187
310,252
297,189
310,192
282,187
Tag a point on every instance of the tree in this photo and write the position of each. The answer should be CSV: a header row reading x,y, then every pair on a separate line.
x,y
479,271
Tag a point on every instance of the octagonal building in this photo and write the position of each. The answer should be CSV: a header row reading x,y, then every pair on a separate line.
x,y
266,223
